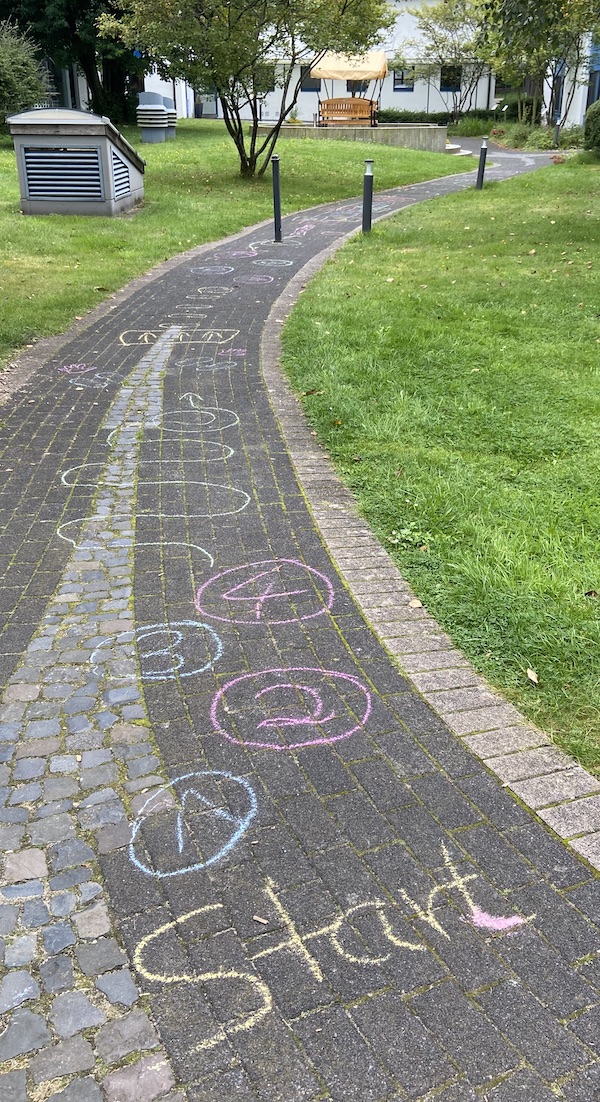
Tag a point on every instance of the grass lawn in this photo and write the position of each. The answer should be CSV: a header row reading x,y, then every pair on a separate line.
x,y
455,356
56,267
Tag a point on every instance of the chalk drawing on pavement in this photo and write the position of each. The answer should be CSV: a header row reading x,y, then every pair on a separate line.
x,y
187,423
166,651
273,262
226,976
289,709
365,934
212,269
76,369
254,279
278,591
198,499
215,809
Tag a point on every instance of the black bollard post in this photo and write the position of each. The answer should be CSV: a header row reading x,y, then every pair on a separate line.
x,y
482,159
276,197
367,210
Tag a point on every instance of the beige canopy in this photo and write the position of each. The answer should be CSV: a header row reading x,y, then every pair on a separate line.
x,y
371,66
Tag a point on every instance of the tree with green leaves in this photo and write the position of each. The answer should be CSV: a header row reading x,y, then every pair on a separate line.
x,y
22,82
449,38
67,33
242,50
546,41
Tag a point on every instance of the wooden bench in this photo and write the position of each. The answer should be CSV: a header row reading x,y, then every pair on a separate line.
x,y
348,111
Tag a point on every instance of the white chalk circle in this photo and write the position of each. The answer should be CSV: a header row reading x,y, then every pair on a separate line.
x,y
187,423
204,364
213,269
183,648
255,279
274,263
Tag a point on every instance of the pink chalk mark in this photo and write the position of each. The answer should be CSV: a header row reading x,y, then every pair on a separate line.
x,y
485,921
294,721
233,594
325,740
76,369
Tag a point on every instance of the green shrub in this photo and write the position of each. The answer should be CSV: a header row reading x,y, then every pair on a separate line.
x,y
591,136
571,138
392,114
511,101
21,82
540,137
469,127
517,135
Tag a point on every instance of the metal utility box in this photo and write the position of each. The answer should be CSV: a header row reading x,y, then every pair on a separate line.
x,y
73,162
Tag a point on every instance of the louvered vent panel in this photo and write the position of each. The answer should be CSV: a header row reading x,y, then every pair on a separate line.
x,y
63,174
121,179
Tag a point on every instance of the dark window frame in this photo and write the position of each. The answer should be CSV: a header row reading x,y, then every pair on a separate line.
x,y
400,83
451,78
308,83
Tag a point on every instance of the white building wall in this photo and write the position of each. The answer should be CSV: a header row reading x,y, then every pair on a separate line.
x,y
425,96
184,95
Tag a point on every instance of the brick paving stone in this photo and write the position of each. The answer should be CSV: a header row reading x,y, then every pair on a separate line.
x,y
16,988
28,864
147,1079
58,937
299,862
132,1033
57,974
118,987
523,1086
82,1089
25,1032
13,1086
99,956
72,1012
21,951
73,1055
548,1046
477,1048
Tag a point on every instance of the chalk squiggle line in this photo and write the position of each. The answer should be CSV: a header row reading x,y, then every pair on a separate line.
x,y
224,1031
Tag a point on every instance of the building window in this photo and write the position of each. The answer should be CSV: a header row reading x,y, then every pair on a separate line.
x,y
308,83
357,87
404,79
450,78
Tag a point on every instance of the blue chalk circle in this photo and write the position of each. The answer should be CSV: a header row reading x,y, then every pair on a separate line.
x,y
169,659
231,825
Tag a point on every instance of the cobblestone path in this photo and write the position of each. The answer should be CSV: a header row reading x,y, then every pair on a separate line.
x,y
243,858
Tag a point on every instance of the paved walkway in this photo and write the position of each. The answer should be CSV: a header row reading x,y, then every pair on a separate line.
x,y
244,858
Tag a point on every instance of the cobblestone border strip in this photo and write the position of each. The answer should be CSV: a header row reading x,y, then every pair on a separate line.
x,y
549,782
73,715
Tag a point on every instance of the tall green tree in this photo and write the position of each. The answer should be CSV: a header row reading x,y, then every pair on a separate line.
x,y
22,84
243,49
67,33
547,41
450,38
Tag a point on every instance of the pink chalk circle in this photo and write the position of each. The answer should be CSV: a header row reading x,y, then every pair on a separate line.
x,y
305,706
275,591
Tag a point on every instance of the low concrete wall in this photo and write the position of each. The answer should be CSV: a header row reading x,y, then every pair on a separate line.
x,y
417,136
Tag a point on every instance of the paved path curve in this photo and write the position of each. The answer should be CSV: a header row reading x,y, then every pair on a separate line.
x,y
244,858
